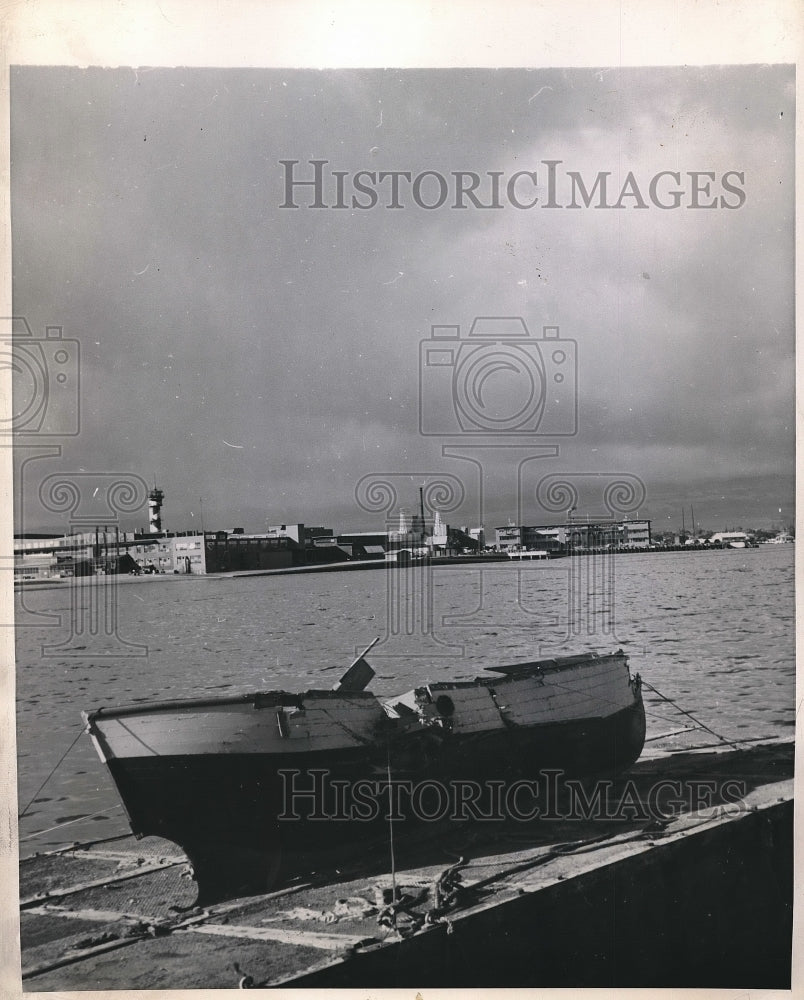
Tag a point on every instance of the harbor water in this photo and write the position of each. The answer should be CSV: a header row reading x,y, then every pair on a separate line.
x,y
713,631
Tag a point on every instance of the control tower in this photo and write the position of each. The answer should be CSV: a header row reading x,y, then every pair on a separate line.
x,y
155,498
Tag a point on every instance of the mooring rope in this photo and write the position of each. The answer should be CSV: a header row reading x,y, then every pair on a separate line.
x,y
698,723
675,732
53,771
69,822
391,837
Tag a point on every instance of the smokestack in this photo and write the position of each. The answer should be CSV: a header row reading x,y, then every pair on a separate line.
x,y
155,498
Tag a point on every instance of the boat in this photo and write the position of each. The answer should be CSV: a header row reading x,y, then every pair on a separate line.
x,y
238,782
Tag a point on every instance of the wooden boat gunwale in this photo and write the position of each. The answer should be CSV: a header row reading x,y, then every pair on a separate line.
x,y
553,664
280,698
260,699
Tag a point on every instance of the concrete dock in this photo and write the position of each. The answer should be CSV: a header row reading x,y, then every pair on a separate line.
x,y
701,897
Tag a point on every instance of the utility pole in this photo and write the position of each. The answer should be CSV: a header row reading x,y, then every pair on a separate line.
x,y
421,512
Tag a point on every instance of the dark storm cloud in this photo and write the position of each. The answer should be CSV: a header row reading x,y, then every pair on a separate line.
x,y
267,358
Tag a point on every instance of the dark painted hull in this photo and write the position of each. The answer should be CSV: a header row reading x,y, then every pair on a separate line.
x,y
241,818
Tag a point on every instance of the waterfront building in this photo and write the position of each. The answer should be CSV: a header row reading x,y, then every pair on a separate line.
x,y
369,544
45,557
180,554
478,535
509,537
438,542
730,539
88,553
278,547
783,538
575,535
317,533
635,534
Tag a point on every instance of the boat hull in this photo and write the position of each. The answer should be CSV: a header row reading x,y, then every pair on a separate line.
x,y
244,820
245,784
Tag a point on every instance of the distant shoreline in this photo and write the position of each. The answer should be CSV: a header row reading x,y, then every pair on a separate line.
x,y
145,578
337,567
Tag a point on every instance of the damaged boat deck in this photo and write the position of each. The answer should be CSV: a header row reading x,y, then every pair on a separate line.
x,y
561,902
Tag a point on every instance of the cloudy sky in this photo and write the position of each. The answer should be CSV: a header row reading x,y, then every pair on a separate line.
x,y
266,359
